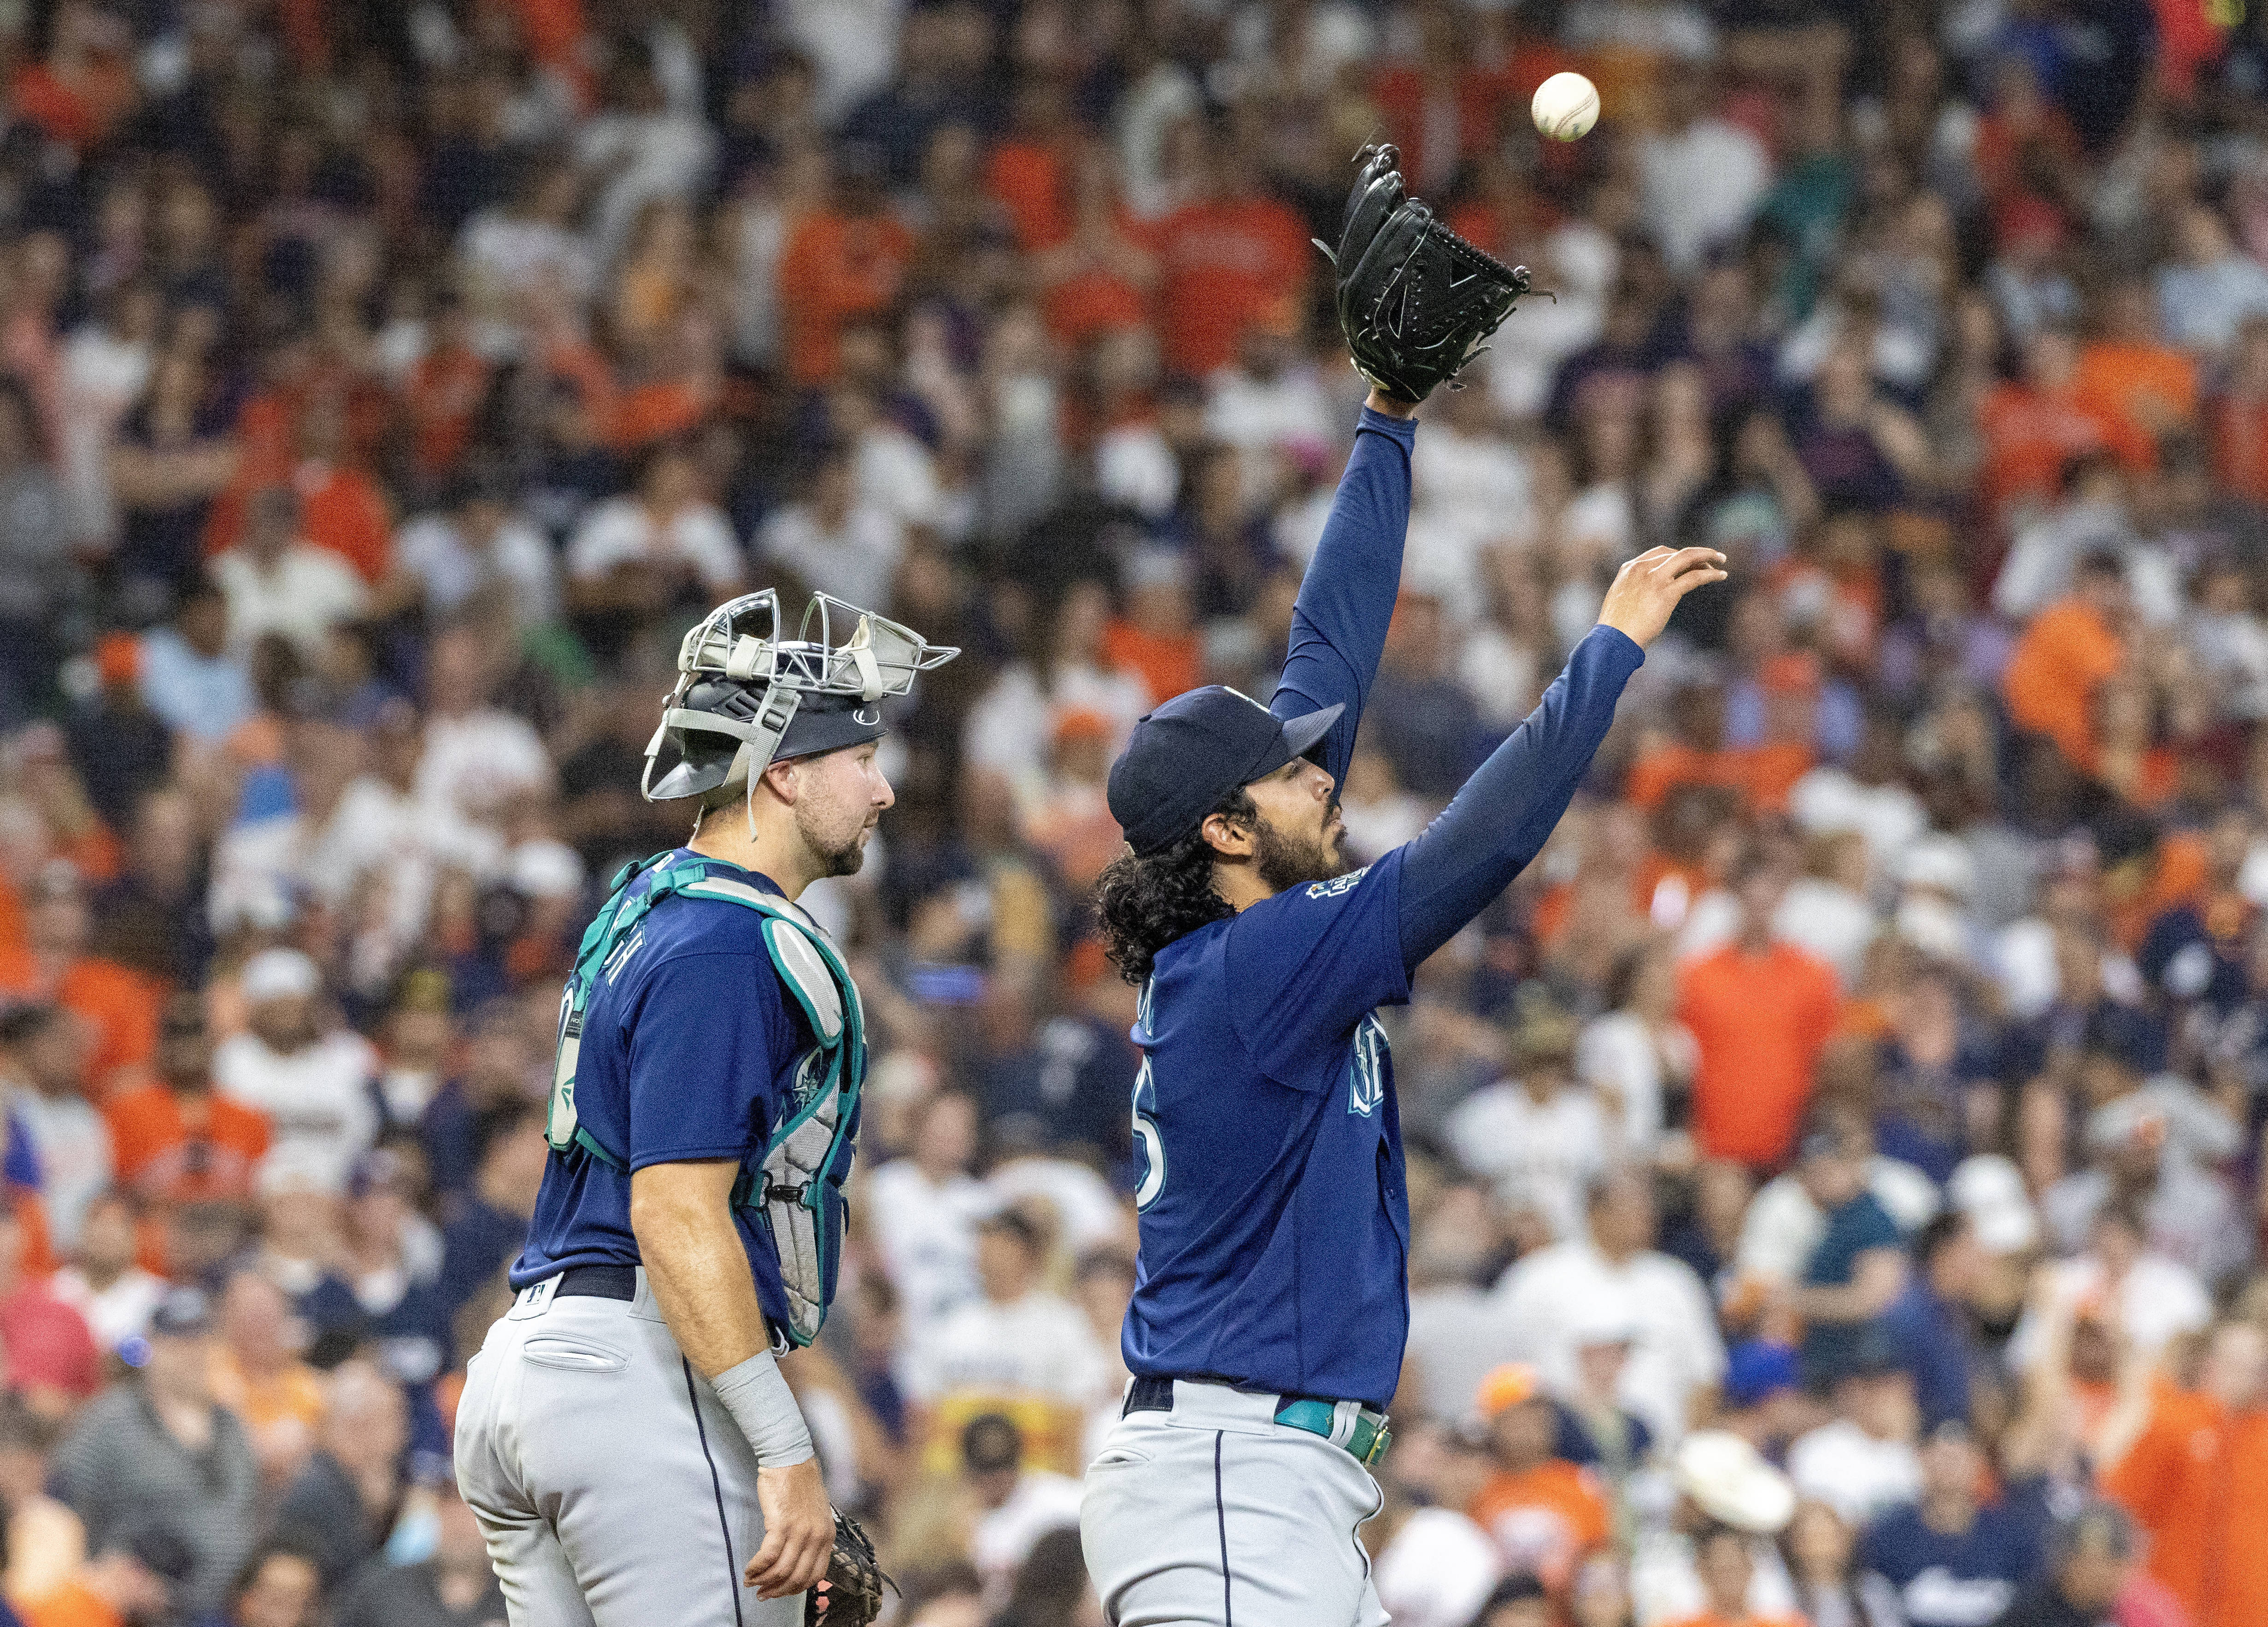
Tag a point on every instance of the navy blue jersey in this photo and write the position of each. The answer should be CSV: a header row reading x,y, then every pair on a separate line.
x,y
1944,1580
1275,1215
688,1047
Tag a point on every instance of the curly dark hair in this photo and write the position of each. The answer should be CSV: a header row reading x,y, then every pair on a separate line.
x,y
1144,904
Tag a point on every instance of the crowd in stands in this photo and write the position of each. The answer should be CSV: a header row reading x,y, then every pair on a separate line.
x,y
1836,1165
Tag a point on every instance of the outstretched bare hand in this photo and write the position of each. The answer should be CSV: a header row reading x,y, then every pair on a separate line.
x,y
1647,588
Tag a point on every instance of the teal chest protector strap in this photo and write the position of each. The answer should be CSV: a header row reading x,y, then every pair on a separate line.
x,y
805,1155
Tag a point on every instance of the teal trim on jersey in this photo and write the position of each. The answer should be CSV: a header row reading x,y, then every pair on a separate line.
x,y
787,1188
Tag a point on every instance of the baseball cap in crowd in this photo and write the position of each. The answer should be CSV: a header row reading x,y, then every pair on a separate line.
x,y
989,1443
1604,1317
1728,1480
279,974
182,1314
1513,1384
1194,750
1989,1189
1756,1371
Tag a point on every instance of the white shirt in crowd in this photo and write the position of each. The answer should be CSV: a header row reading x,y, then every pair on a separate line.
x,y
1855,1474
1699,188
1831,922
854,561
1665,1583
474,763
927,1234
2156,1302
433,548
316,1099
1674,1348
1618,1054
1043,1502
117,1313
1458,1336
1085,1209
73,1144
622,532
1783,1226
305,593
1438,1571
1038,1346
1541,1154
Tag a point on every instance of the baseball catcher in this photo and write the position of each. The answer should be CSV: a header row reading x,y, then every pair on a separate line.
x,y
625,1435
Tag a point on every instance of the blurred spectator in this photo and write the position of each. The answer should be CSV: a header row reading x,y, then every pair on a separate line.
x,y
1729,1574
163,1451
52,1361
343,1504
2191,1445
1720,1482
44,1050
454,1586
132,1578
105,1281
1948,1560
257,1375
1674,1349
2089,1563
1540,1136
926,1205
176,1140
1932,1322
277,581
279,1586
1544,1513
1858,1268
1760,1013
310,1080
1864,1461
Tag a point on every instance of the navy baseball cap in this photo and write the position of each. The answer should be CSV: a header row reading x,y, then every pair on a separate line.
x,y
1194,750
1758,1370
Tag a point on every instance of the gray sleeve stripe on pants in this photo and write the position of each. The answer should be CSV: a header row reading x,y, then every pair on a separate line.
x,y
716,1484
1220,1510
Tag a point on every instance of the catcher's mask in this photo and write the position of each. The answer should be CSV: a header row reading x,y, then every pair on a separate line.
x,y
746,697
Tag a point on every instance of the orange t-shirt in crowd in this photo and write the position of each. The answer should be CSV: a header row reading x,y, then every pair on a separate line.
x,y
120,1007
444,389
835,267
2240,448
172,1153
70,1605
1224,265
2029,436
647,413
1769,771
2198,1483
1169,665
1759,1023
1542,1519
2149,388
1665,767
2053,674
1025,178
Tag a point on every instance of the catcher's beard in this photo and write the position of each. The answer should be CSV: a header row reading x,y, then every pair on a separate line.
x,y
823,833
1284,861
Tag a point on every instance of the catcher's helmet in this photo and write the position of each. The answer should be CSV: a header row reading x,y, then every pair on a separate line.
x,y
745,698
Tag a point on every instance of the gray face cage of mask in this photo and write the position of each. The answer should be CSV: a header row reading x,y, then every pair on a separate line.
x,y
744,697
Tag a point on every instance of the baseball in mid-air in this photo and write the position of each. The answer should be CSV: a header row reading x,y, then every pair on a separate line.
x,y
1566,106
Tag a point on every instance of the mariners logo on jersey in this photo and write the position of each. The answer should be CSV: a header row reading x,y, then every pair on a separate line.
x,y
1367,1069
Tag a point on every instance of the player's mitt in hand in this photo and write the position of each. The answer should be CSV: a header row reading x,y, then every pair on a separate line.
x,y
851,1595
1415,300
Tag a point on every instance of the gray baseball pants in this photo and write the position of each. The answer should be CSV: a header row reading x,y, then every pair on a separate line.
x,y
1214,1513
613,1488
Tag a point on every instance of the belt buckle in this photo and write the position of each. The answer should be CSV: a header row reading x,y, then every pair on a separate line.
x,y
1379,1442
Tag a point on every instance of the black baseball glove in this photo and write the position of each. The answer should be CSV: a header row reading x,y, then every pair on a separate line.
x,y
1415,300
851,1595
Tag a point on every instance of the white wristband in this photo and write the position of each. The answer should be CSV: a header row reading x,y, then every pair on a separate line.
x,y
757,1396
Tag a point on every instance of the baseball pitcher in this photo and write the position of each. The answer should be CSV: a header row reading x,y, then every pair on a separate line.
x,y
1271,1302
625,1435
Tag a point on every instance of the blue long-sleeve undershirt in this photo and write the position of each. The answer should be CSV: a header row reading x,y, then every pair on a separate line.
x,y
1506,813
1346,599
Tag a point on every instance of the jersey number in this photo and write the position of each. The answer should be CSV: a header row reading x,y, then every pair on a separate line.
x,y
1146,1139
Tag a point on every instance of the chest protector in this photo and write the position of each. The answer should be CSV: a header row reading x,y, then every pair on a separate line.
x,y
795,1190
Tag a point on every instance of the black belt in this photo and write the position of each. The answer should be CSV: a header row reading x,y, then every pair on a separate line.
x,y
606,1282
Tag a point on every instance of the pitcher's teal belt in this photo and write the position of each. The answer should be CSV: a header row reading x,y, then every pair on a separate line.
x,y
1361,1430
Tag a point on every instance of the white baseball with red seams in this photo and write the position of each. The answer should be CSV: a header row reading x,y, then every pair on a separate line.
x,y
1566,107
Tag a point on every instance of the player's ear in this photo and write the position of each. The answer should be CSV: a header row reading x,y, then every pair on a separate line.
x,y
783,780
1229,836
